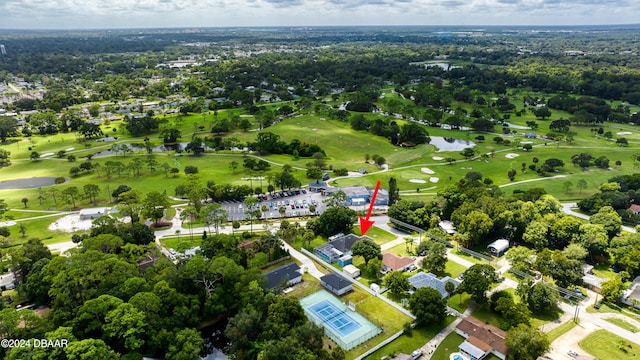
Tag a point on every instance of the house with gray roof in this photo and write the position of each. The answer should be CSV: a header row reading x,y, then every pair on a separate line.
x,y
336,283
339,245
288,274
422,279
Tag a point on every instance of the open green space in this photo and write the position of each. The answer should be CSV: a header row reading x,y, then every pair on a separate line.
x,y
605,345
378,235
560,330
407,343
623,324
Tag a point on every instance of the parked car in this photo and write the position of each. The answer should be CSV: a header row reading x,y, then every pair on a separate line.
x,y
573,354
416,354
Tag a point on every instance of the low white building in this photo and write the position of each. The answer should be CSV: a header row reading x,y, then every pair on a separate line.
x,y
498,247
94,213
7,281
351,271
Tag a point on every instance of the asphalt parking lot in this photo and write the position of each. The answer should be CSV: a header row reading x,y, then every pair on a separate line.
x,y
296,202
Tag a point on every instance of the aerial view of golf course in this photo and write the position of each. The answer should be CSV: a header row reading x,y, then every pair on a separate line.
x,y
344,193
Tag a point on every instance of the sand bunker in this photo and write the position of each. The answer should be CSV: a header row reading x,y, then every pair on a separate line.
x,y
437,158
69,149
511,156
434,179
417,181
427,171
7,223
46,154
526,142
624,133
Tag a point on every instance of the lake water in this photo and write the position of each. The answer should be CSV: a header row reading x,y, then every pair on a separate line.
x,y
450,144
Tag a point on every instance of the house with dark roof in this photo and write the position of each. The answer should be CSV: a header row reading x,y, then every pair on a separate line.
x,y
339,245
393,262
336,283
288,274
422,279
481,339
318,186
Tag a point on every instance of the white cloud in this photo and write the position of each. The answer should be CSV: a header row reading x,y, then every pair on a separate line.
x,y
186,13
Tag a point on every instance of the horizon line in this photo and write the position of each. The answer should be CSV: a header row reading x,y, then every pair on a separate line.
x,y
316,26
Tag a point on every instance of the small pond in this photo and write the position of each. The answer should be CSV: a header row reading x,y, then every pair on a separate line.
x,y
28,183
450,144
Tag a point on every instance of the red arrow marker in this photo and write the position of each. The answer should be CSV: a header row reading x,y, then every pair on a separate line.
x,y
366,224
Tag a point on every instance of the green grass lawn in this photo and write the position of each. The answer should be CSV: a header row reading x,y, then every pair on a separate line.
x,y
611,308
605,345
378,235
560,330
623,324
181,243
407,343
448,346
460,302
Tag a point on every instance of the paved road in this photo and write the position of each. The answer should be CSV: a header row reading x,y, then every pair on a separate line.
x,y
568,207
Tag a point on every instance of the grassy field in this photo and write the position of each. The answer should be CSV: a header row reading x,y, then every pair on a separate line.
x,y
560,330
407,343
605,345
344,147
623,324
378,235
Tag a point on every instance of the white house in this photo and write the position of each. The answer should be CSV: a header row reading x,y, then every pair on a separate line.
x,y
94,213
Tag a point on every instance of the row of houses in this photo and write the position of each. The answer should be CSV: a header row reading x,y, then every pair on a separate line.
x,y
291,274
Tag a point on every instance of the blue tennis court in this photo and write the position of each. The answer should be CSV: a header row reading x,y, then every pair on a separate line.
x,y
337,319
346,327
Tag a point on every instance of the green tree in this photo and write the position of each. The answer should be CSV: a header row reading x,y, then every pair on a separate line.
x,y
394,192
314,172
366,248
476,225
582,184
25,201
609,218
34,155
4,158
428,306
71,193
90,349
336,220
526,343
397,283
542,299
521,258
536,234
154,206
8,127
91,191
215,215
126,326
612,288
477,280
512,313
186,345
250,204
435,258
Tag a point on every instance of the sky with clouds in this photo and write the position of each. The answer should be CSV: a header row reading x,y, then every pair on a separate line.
x,y
81,14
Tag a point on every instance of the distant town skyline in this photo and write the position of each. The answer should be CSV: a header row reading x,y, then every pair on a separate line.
x,y
107,14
